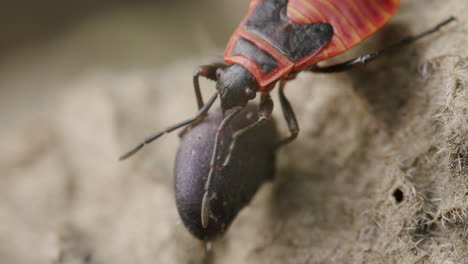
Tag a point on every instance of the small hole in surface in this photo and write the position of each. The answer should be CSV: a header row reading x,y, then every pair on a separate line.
x,y
398,195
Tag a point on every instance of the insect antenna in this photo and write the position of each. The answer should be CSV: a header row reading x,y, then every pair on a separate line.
x,y
205,208
200,114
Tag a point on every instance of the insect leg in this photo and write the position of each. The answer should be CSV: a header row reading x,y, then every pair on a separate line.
x,y
288,115
205,208
200,114
372,56
209,72
266,108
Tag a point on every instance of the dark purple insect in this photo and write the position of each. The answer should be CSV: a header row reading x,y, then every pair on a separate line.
x,y
232,187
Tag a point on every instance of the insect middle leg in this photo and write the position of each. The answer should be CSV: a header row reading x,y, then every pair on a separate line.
x,y
266,108
289,115
372,56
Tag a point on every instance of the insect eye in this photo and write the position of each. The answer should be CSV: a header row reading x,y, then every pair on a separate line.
x,y
218,73
250,94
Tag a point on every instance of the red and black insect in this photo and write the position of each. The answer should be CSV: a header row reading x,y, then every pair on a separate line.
x,y
276,40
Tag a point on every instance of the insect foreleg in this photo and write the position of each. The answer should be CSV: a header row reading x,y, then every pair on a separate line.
x,y
209,72
266,108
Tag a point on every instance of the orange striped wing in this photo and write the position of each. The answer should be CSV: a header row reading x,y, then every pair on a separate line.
x,y
352,21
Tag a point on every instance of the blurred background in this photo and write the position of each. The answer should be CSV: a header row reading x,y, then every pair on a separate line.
x,y
45,42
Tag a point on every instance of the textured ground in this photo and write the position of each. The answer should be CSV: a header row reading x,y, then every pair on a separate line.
x,y
379,173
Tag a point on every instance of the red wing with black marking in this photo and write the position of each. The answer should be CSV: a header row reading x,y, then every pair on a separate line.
x,y
279,36
270,22
352,21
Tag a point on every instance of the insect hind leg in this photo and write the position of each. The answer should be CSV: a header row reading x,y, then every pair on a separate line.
x,y
372,56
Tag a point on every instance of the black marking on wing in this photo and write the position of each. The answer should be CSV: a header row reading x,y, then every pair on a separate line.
x,y
270,21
